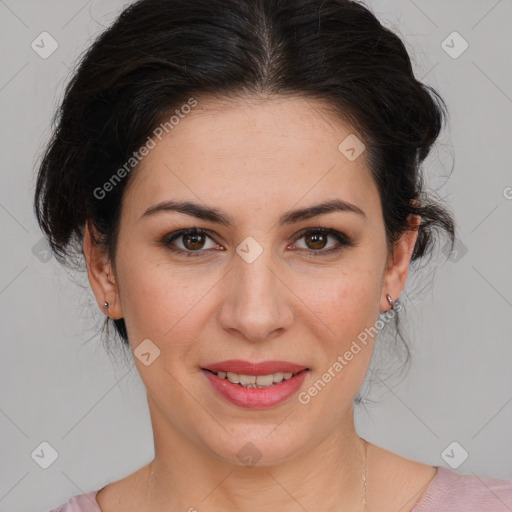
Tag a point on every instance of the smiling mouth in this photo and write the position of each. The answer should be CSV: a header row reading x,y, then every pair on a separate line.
x,y
255,381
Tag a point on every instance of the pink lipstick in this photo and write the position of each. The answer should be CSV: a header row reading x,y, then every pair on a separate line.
x,y
255,385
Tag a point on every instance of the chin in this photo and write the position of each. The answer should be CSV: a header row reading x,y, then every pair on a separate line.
x,y
257,445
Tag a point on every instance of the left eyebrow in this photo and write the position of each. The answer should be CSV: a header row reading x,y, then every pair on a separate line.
x,y
219,217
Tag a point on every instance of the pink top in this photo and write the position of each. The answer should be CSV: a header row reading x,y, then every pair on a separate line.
x,y
447,492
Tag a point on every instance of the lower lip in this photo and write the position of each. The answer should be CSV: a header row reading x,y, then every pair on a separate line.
x,y
256,398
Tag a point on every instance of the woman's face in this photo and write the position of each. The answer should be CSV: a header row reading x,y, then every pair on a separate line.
x,y
265,285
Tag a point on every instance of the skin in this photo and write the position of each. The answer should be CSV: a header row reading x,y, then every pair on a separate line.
x,y
254,159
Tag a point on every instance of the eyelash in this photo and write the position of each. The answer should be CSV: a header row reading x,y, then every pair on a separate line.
x,y
342,239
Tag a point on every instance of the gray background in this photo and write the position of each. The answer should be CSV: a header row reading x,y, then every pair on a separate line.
x,y
59,385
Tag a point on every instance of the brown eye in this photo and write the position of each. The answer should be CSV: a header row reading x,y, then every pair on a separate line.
x,y
189,242
316,241
193,241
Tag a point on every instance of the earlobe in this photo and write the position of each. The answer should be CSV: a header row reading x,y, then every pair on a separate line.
x,y
101,275
398,263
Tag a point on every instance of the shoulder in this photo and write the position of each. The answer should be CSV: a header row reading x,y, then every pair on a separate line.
x,y
428,488
80,503
450,491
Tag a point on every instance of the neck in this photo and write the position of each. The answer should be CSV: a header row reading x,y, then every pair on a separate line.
x,y
187,476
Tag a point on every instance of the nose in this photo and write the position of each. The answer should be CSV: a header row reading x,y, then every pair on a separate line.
x,y
256,303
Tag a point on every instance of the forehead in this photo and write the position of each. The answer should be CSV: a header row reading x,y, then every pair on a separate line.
x,y
261,153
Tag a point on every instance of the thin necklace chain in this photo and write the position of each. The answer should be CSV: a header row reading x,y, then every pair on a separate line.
x,y
365,481
364,477
150,481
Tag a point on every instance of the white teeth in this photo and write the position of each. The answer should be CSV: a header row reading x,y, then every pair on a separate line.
x,y
247,379
264,380
278,377
253,381
233,377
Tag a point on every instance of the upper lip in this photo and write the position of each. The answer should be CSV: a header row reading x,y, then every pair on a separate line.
x,y
248,368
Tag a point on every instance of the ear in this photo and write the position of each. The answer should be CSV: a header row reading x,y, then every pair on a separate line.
x,y
101,275
397,268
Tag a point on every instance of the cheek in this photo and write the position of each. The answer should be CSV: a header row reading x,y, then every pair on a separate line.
x,y
160,301
348,307
345,299
357,297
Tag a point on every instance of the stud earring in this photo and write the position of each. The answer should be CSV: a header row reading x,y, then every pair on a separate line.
x,y
105,305
390,300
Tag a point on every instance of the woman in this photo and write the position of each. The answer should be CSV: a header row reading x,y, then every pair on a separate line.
x,y
243,178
